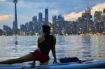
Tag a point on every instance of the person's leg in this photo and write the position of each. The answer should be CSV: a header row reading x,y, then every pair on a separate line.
x,y
28,57
45,63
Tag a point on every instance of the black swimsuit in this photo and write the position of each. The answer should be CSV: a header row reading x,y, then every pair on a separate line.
x,y
42,53
46,45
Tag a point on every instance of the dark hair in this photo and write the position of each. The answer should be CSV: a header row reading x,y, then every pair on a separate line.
x,y
46,29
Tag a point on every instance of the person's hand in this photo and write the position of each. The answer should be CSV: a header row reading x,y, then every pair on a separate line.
x,y
32,64
55,61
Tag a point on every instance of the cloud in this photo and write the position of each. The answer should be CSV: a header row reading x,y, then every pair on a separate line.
x,y
4,17
98,7
74,15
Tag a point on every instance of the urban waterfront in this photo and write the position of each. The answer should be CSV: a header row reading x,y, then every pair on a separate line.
x,y
87,23
81,46
79,27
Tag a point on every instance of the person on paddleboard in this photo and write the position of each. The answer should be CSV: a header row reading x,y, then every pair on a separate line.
x,y
46,43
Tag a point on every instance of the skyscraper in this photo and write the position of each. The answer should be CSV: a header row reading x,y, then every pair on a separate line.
x,y
7,29
98,20
40,18
54,18
34,18
35,22
104,11
46,16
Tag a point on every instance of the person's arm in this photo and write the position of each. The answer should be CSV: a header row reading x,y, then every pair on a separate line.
x,y
33,62
40,40
54,51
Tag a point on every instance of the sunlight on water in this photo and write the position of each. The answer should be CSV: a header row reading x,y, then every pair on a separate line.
x,y
82,46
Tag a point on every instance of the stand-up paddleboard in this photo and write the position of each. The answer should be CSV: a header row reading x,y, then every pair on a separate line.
x,y
10,67
73,65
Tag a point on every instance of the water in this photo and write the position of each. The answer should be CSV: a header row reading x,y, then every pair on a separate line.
x,y
81,46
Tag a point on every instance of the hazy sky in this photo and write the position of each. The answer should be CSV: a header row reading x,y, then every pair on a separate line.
x,y
28,8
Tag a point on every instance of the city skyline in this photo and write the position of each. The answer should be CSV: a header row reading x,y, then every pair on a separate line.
x,y
26,10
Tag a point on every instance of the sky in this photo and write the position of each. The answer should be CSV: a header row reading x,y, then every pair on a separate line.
x,y
70,9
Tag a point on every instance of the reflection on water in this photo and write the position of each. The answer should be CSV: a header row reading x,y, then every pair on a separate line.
x,y
82,46
86,43
99,49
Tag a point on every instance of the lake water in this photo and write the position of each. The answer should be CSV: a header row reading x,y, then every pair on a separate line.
x,y
81,46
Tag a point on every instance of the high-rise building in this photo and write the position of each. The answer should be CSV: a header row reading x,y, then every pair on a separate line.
x,y
7,29
27,27
34,18
86,21
58,24
22,29
39,24
1,32
40,17
75,28
46,16
98,20
54,19
104,11
55,26
61,20
35,22
103,18
97,16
